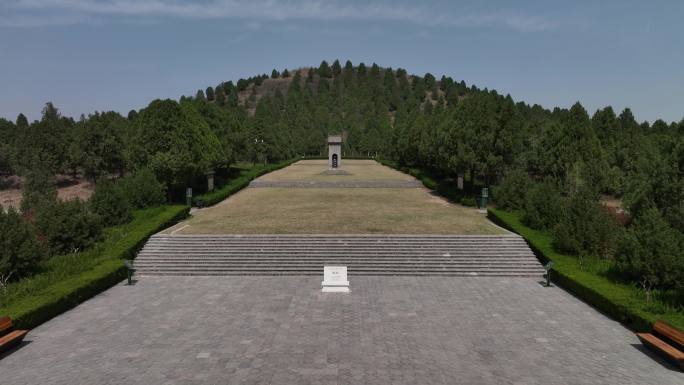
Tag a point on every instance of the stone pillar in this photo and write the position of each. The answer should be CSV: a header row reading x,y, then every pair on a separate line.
x,y
459,181
210,181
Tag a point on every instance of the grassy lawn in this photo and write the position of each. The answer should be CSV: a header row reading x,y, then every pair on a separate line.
x,y
588,281
313,170
248,172
336,211
66,280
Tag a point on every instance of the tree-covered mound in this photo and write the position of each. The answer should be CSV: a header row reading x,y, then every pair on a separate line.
x,y
559,167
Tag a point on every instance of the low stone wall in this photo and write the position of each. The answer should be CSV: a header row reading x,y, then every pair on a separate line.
x,y
338,184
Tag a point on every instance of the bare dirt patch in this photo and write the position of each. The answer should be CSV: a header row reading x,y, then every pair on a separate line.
x,y
68,188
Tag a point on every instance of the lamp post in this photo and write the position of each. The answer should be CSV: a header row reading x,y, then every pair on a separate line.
x,y
258,144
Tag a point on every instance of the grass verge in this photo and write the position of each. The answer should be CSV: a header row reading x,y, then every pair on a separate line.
x,y
238,183
435,182
67,280
623,302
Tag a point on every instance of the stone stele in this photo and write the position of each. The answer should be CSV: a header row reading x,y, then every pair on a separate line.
x,y
335,279
334,151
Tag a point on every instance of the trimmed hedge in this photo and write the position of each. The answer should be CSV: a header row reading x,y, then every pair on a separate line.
x,y
67,280
431,181
622,302
237,184
428,180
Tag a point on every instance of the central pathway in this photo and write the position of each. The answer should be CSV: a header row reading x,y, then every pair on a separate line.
x,y
283,330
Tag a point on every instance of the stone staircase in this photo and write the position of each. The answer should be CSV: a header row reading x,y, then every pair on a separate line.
x,y
434,255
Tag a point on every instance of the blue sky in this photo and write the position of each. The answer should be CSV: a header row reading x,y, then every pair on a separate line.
x,y
87,55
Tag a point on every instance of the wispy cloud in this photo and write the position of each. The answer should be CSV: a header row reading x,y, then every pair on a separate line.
x,y
50,12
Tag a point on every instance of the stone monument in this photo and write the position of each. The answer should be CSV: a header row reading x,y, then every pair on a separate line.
x,y
334,151
335,279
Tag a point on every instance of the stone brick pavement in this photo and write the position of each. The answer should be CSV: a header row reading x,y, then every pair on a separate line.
x,y
282,330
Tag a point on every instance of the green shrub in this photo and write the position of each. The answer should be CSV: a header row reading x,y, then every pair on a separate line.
x,y
64,281
510,192
585,227
650,253
38,188
109,201
20,251
543,205
68,227
142,189
623,302
469,201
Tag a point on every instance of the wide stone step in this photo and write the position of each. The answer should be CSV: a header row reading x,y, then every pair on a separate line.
x,y
506,255
346,243
370,246
328,261
351,259
335,252
351,269
318,273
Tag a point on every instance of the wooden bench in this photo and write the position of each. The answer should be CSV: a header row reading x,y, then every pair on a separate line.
x,y
9,337
666,340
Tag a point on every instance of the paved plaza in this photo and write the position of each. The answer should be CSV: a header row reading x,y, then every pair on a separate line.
x,y
282,330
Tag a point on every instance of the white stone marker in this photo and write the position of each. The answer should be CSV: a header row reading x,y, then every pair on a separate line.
x,y
335,279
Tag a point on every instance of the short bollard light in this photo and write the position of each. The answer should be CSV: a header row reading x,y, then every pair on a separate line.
x,y
188,196
548,268
130,269
484,197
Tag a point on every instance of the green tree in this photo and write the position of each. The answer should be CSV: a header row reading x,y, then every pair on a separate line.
x,y
336,68
38,189
110,202
97,144
142,189
543,205
650,252
324,70
43,143
174,141
7,133
220,97
21,251
585,227
68,227
274,74
210,94
22,122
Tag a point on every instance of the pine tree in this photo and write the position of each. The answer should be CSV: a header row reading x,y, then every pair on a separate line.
x,y
324,70
336,68
220,97
210,94
274,74
22,122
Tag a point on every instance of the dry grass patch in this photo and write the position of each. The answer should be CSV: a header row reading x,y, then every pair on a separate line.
x,y
337,211
313,170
